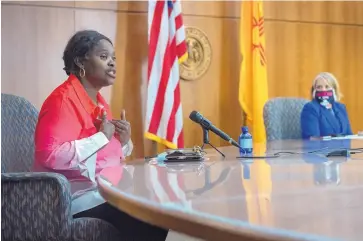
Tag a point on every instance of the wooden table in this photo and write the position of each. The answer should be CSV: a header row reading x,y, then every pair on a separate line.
x,y
293,197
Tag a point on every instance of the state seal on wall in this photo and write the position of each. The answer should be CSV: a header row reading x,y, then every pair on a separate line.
x,y
199,54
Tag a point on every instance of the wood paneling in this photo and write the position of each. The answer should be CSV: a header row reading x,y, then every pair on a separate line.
x,y
203,8
313,11
67,4
307,11
34,35
133,6
194,8
97,5
231,114
33,40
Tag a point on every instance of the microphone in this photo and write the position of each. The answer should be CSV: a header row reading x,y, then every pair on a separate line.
x,y
206,124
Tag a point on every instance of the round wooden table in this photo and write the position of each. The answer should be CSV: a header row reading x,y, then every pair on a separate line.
x,y
298,196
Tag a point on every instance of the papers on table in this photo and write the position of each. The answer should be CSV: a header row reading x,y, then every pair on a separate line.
x,y
349,137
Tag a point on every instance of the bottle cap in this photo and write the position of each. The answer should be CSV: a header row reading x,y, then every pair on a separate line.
x,y
245,128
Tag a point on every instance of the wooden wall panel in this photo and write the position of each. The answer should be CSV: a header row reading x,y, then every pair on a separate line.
x,y
32,66
189,8
333,12
231,114
307,11
97,5
132,6
204,8
33,40
219,9
63,4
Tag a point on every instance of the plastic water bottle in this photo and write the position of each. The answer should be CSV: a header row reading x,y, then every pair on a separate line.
x,y
245,141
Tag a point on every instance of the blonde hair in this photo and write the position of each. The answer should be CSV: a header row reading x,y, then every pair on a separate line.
x,y
331,80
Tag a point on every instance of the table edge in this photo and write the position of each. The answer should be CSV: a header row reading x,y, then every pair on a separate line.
x,y
209,229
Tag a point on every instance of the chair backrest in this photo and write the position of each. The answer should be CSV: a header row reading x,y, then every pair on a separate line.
x,y
18,122
282,118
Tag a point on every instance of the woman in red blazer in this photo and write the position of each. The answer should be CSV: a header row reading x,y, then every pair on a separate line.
x,y
77,136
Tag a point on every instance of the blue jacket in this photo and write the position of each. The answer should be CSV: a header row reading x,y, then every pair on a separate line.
x,y
317,121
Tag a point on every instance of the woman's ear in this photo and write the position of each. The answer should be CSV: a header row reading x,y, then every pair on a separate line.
x,y
79,63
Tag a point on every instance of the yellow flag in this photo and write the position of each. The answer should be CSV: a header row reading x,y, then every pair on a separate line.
x,y
253,89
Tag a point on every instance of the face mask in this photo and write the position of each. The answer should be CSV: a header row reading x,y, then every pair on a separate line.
x,y
325,98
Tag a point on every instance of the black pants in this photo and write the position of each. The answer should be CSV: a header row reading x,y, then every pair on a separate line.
x,y
129,227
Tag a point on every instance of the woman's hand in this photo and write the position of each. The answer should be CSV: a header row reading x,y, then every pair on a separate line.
x,y
122,128
107,127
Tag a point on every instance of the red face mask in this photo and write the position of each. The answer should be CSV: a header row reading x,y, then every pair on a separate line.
x,y
324,97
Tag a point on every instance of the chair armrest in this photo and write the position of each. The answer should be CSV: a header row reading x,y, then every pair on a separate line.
x,y
35,206
92,229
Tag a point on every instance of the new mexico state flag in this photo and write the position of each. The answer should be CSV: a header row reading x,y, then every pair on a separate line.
x,y
253,90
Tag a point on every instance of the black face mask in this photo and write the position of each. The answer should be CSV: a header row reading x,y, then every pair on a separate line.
x,y
325,97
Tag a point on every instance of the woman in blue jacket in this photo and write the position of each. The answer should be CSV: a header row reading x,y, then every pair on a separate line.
x,y
324,115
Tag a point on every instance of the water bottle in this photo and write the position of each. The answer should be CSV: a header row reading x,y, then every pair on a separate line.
x,y
245,141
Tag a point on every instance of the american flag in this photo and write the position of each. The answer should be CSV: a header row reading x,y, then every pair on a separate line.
x,y
167,49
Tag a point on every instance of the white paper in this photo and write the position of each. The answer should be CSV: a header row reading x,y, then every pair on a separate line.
x,y
349,137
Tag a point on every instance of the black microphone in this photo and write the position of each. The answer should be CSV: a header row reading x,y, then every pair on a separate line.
x,y
206,124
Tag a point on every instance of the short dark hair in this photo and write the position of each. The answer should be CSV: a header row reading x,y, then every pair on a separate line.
x,y
78,46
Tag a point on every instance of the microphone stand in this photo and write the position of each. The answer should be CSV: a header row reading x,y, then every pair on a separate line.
x,y
206,141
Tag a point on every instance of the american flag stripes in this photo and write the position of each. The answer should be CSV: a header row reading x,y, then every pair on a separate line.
x,y
167,48
166,187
